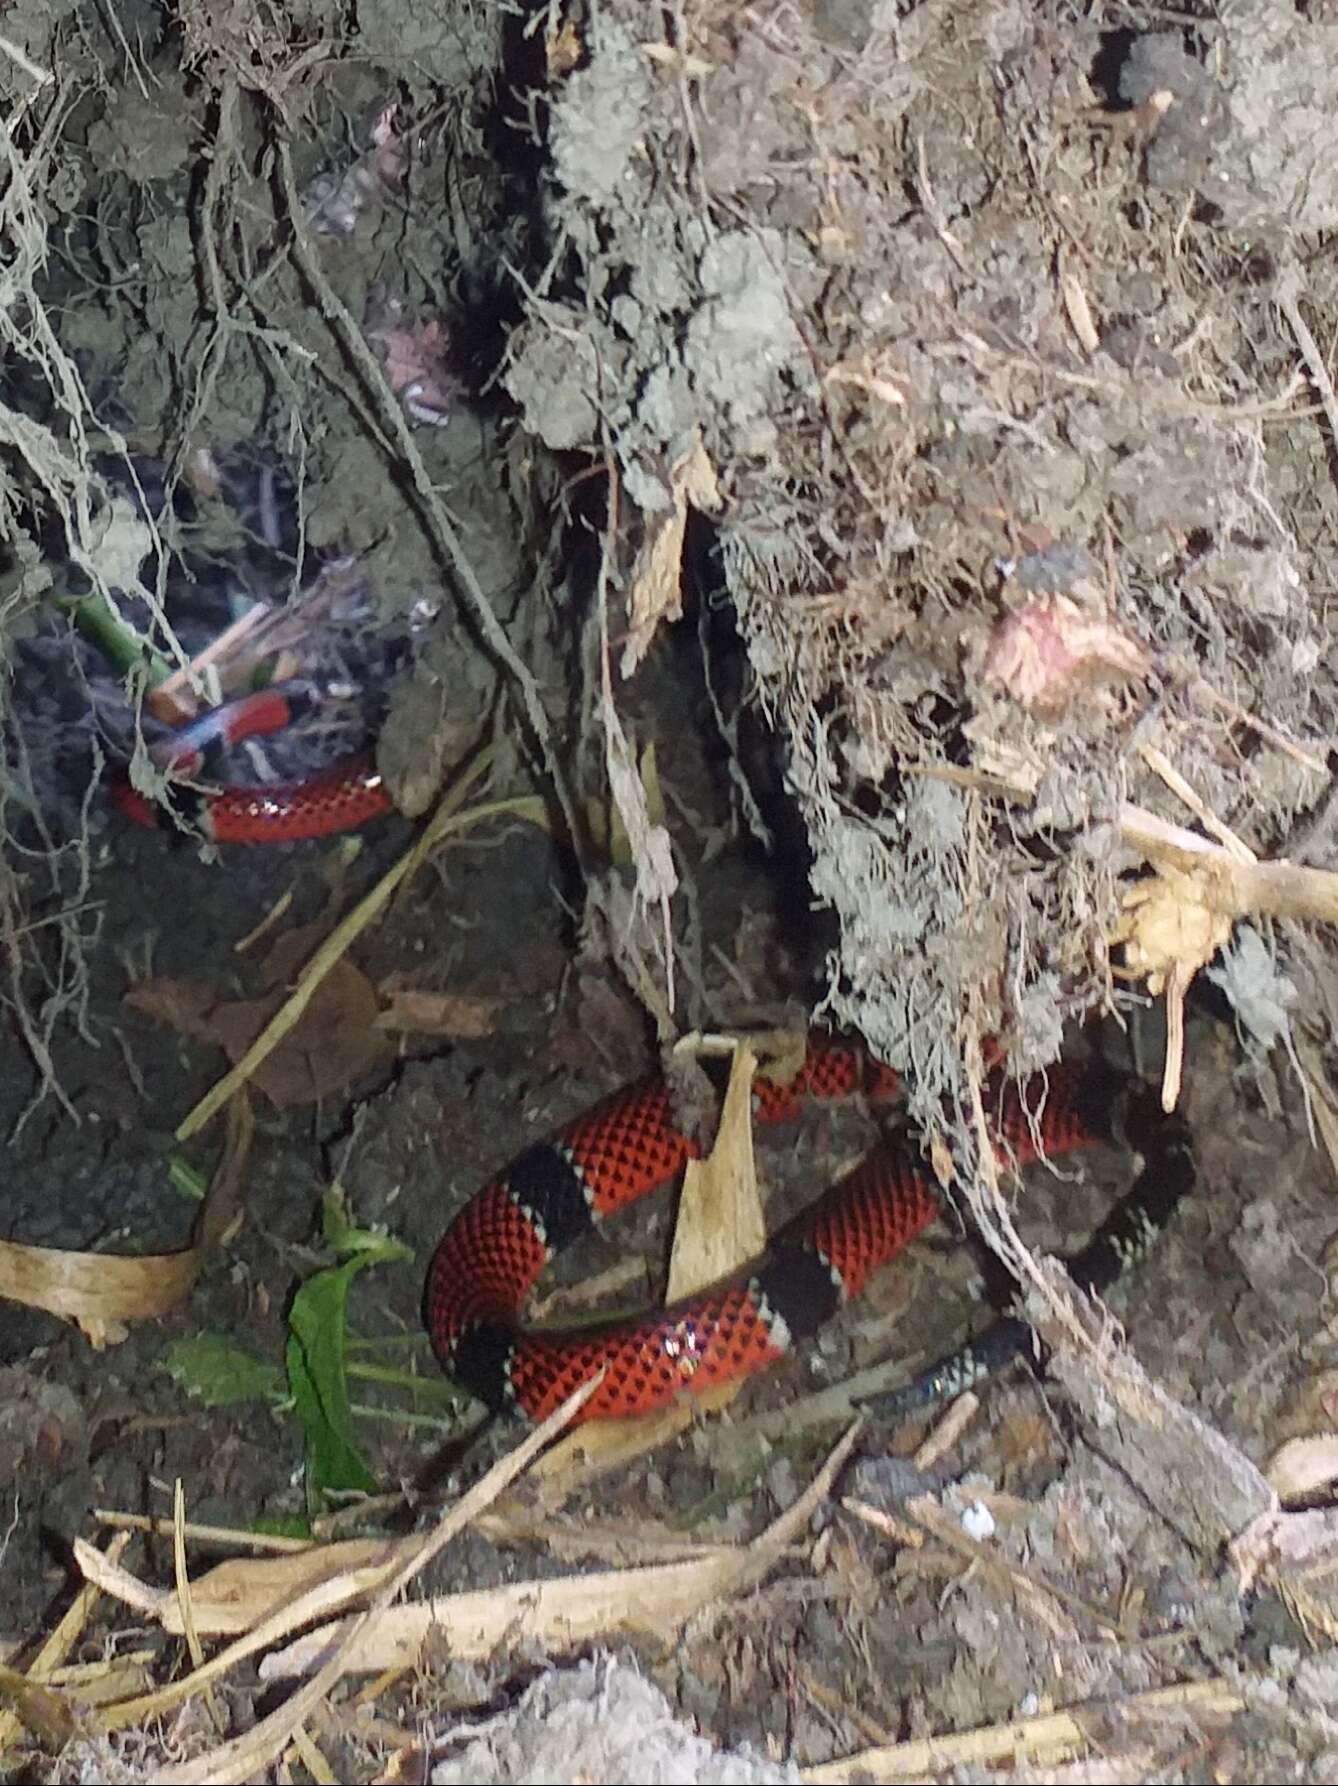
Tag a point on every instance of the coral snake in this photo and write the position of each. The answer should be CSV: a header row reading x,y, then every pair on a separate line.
x,y
622,1148
348,793
630,1143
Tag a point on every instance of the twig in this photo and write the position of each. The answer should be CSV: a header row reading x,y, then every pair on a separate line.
x,y
217,648
443,535
1287,295
1178,981
41,75
1233,888
1201,687
947,1431
1160,764
1017,1738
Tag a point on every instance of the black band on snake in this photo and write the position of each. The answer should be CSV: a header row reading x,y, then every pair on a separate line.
x,y
1123,1241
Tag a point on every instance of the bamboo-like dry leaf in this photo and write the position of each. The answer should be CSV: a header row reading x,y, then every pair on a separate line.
x,y
558,1615
721,1222
656,579
101,1291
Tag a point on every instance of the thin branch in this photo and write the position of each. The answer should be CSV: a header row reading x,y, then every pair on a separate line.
x,y
442,534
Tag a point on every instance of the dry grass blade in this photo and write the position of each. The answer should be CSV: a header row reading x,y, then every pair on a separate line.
x,y
563,1614
248,1755
445,821
232,1536
1019,1738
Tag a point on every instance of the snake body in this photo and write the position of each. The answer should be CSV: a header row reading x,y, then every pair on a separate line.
x,y
630,1143
343,796
557,1190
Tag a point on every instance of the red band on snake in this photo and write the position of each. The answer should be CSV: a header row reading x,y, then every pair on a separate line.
x,y
347,794
623,1148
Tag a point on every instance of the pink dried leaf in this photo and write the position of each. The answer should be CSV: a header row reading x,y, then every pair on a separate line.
x,y
1044,654
418,370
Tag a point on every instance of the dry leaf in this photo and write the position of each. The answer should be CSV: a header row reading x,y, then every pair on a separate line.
x,y
1048,653
334,1042
418,369
656,579
101,1291
182,1005
563,49
437,1013
721,1223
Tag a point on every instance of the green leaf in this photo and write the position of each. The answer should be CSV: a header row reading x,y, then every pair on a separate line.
x,y
317,1379
186,1179
343,1238
279,1525
218,1373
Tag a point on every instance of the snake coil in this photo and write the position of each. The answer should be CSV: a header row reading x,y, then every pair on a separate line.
x,y
621,1149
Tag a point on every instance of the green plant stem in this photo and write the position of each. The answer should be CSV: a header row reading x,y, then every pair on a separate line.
x,y
402,1417
435,1389
126,650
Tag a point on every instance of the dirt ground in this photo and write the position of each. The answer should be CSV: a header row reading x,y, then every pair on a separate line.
x,y
913,422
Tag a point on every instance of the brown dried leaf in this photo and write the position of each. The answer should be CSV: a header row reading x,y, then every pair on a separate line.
x,y
437,1013
656,588
182,1005
332,1044
101,1291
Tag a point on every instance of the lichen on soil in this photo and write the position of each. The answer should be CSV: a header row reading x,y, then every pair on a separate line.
x,y
914,422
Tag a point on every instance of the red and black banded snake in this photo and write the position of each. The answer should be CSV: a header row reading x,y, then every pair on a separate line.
x,y
630,1143
343,796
